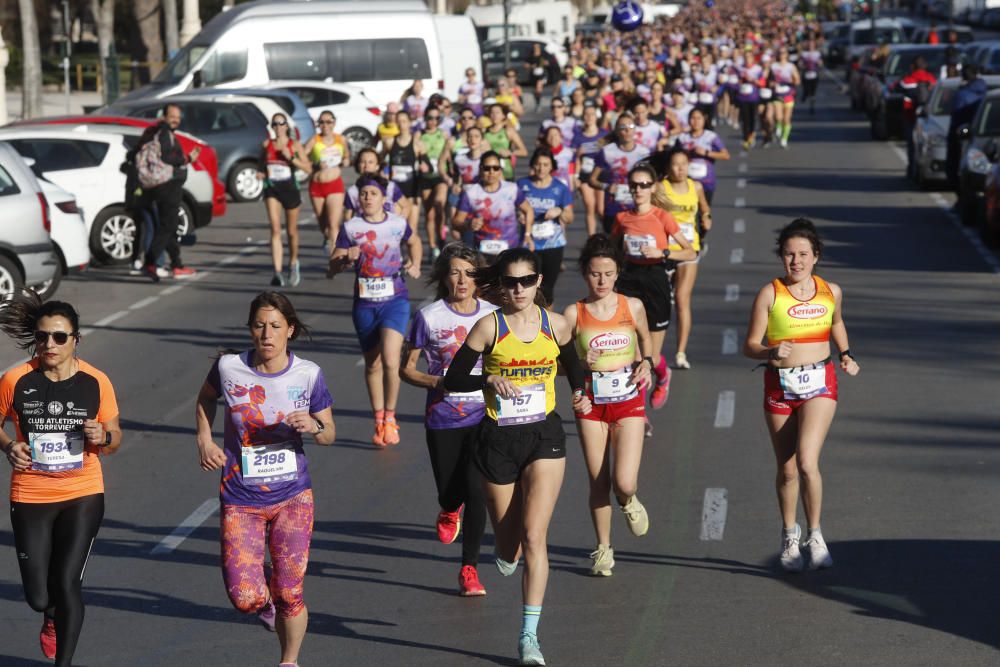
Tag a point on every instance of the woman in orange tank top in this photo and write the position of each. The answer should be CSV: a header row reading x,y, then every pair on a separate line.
x,y
791,324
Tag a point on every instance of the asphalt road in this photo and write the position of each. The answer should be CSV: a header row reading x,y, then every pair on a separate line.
x,y
909,467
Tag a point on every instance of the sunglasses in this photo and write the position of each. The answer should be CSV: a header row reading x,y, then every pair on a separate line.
x,y
626,127
433,118
558,106
510,282
490,167
278,123
60,337
640,186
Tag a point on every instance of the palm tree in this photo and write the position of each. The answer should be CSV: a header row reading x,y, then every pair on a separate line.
x,y
31,101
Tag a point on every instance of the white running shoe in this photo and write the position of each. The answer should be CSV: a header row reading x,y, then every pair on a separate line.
x,y
505,568
636,516
817,553
529,652
791,557
681,361
603,558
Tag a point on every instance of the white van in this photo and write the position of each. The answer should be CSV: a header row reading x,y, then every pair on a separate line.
x,y
379,45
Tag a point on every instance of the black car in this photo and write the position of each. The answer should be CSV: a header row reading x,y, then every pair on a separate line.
x,y
980,150
885,97
520,51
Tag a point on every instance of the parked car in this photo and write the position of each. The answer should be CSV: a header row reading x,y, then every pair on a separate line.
x,y
963,34
69,236
520,50
991,18
930,135
864,65
861,36
834,46
980,150
357,115
987,57
233,125
26,253
287,101
885,97
988,213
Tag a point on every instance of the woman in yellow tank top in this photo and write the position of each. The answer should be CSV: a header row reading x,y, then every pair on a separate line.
x,y
521,442
610,330
685,199
328,152
791,324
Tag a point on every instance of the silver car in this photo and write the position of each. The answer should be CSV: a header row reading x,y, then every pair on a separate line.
x,y
26,253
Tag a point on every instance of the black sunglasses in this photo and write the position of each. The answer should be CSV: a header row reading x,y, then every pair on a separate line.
x,y
490,167
510,282
60,337
278,123
640,186
433,118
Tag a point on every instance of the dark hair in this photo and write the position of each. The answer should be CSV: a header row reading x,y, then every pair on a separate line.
x,y
490,154
325,112
281,303
635,102
488,277
357,158
23,309
378,180
166,107
540,152
801,228
644,167
600,245
545,135
969,72
442,265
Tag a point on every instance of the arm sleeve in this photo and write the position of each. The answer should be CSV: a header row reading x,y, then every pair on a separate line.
x,y
417,337
571,364
465,204
108,407
670,225
214,378
319,398
459,377
342,240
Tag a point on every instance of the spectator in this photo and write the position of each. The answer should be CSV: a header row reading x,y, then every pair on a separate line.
x,y
964,104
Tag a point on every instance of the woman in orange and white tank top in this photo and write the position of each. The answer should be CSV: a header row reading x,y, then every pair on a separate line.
x,y
792,322
610,330
329,152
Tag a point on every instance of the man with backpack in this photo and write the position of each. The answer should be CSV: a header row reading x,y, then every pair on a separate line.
x,y
162,169
916,89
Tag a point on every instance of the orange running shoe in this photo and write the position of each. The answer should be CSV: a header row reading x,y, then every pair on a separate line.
x,y
468,582
47,638
390,433
379,438
448,525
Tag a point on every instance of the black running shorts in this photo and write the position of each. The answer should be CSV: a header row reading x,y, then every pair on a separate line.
x,y
650,284
503,452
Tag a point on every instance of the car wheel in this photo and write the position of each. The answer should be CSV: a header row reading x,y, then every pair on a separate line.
x,y
48,289
10,277
112,236
185,221
357,138
243,184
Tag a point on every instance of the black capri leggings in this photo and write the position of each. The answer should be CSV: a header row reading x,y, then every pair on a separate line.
x,y
748,118
551,263
53,542
458,481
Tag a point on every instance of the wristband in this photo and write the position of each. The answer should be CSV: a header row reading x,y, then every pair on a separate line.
x,y
649,360
846,353
772,353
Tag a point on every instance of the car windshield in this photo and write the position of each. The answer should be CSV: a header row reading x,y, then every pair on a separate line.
x,y
989,119
878,36
181,64
900,63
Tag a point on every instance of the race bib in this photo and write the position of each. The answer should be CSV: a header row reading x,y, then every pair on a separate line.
x,y
698,169
613,386
544,230
56,452
810,75
783,89
692,98
706,98
278,171
746,89
766,93
634,243
401,173
267,464
586,164
526,408
723,78
622,195
493,246
331,157
803,382
376,288
538,71
473,99
689,231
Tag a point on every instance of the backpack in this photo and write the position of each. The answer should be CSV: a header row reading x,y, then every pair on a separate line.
x,y
149,164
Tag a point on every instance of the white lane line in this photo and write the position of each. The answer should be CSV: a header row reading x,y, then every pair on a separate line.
x,y
229,260
741,183
739,226
736,256
142,303
744,153
105,321
186,527
729,344
740,202
732,293
173,289
713,514
725,409
742,168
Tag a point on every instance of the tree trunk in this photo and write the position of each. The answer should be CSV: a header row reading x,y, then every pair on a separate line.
x,y
31,100
228,4
147,16
170,27
104,17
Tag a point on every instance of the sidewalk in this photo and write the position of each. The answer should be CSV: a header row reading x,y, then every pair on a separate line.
x,y
53,104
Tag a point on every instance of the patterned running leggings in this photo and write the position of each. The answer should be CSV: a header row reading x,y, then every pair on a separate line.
x,y
288,526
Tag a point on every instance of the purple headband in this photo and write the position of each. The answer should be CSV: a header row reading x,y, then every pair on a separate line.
x,y
366,181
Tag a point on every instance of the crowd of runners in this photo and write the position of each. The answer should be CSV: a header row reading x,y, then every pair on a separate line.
x,y
627,141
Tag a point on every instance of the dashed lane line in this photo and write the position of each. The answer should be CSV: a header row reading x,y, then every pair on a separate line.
x,y
742,168
736,256
713,514
741,183
739,226
729,341
740,202
732,293
186,527
725,409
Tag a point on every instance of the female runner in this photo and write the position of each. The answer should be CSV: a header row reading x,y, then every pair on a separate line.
x,y
403,158
489,210
587,143
796,316
328,152
552,202
521,445
504,139
610,331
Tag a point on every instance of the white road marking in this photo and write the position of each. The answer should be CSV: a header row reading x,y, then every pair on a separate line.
x,y
229,260
742,168
732,293
173,289
729,341
741,183
739,226
713,514
105,321
186,527
740,202
142,303
725,409
736,256
744,153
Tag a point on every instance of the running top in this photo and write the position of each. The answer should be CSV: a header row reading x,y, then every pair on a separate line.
x,y
615,163
402,162
500,141
415,106
467,166
654,227
380,264
565,166
648,135
799,321
615,338
501,229
526,364
702,169
278,168
265,463
473,93
49,416
439,331
588,148
567,127
684,208
783,79
329,156
546,234
434,142
392,195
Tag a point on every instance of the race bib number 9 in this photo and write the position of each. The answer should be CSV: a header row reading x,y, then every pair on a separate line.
x,y
525,408
613,386
56,452
267,464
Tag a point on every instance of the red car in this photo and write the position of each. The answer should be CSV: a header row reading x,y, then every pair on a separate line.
x,y
207,160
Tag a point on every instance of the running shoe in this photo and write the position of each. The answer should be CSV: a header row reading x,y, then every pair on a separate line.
x,y
603,559
791,557
783,143
528,650
681,361
636,516
505,568
379,438
136,269
277,280
448,525
390,433
468,582
288,664
435,253
326,246
294,274
47,638
151,272
649,426
659,396
181,272
817,553
267,614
